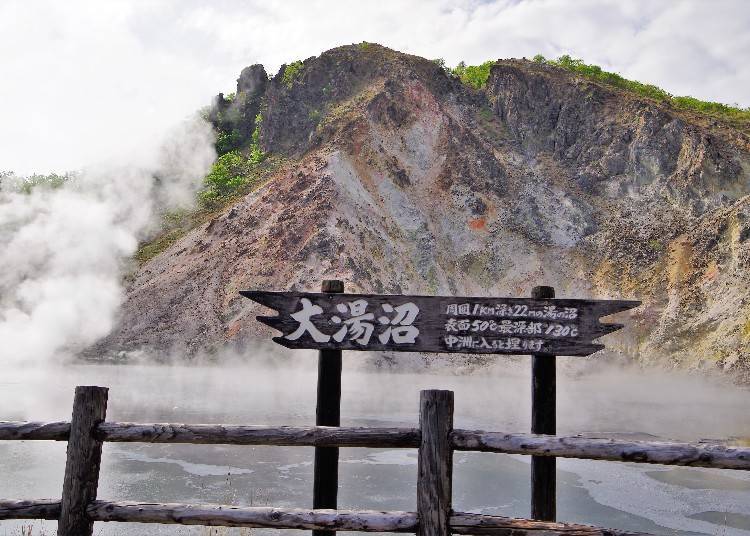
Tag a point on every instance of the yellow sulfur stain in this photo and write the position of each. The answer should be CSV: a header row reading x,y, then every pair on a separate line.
x,y
746,329
712,270
678,266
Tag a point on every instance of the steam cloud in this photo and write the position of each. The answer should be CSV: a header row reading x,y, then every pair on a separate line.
x,y
65,250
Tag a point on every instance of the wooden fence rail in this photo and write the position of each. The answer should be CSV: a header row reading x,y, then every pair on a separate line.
x,y
298,518
435,439
591,448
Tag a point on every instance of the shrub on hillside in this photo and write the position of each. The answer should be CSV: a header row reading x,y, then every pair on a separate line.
x,y
291,72
473,75
227,175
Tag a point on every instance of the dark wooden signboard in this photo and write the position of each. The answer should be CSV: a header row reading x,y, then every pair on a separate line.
x,y
438,323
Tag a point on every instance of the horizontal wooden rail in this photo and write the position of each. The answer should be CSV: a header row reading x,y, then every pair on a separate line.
x,y
296,518
253,517
311,436
24,509
654,452
38,431
465,523
658,452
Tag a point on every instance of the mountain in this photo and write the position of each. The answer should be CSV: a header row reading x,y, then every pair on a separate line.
x,y
399,178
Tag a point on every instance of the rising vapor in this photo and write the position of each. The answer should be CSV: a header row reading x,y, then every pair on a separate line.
x,y
66,249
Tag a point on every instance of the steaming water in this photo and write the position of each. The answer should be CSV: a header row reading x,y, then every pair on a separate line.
x,y
655,499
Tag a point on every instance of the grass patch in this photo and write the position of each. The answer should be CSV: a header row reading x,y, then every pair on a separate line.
x,y
734,114
151,249
476,76
233,175
486,113
314,116
176,224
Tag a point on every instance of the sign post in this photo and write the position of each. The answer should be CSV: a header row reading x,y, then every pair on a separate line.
x,y
543,421
541,326
327,413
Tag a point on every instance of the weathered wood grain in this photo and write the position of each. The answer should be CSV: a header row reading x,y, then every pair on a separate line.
x,y
312,436
717,455
543,421
435,463
658,452
662,452
327,413
30,509
432,319
291,518
83,461
23,430
465,523
253,517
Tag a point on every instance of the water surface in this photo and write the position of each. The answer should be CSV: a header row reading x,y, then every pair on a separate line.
x,y
656,499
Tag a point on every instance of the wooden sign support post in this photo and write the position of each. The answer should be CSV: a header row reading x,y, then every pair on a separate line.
x,y
327,413
540,326
543,421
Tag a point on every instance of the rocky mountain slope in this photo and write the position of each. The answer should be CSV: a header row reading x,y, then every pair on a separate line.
x,y
401,179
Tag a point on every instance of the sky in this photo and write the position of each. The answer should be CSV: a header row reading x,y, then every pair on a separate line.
x,y
83,82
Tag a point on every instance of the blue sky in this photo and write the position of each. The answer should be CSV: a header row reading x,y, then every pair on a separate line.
x,y
86,81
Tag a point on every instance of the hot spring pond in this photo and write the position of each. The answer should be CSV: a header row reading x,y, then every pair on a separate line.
x,y
655,499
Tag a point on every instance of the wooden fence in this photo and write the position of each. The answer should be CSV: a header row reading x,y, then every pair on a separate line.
x,y
435,439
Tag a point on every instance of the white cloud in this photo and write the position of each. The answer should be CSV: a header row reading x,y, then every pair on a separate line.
x,y
83,80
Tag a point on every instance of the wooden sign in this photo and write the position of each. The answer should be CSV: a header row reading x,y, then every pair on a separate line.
x,y
471,325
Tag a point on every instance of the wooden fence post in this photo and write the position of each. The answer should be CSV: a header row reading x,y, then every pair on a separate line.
x,y
327,413
543,421
435,464
83,460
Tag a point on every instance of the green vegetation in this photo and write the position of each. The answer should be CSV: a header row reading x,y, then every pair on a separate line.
x,y
314,116
712,108
241,166
291,72
256,154
228,141
476,76
227,174
715,109
230,178
473,75
595,72
25,184
655,245
234,170
486,113
151,249
440,62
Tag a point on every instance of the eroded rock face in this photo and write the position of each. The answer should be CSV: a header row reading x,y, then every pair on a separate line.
x,y
238,114
404,180
253,80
